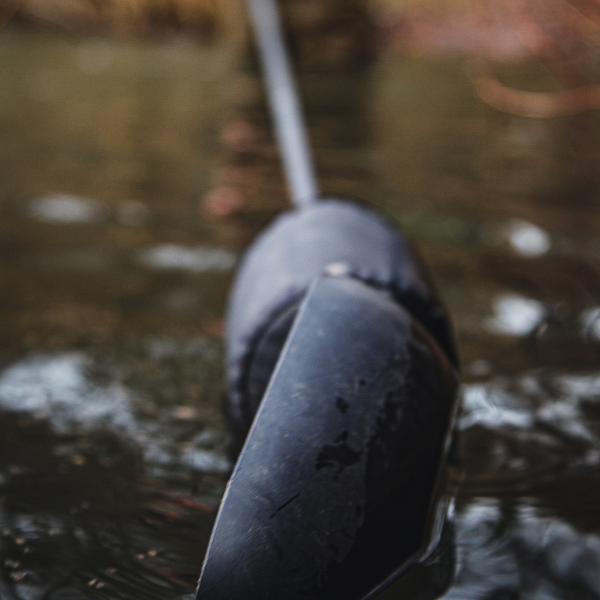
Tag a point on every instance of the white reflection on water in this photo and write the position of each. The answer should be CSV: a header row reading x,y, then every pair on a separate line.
x,y
492,408
590,322
58,389
528,239
515,315
548,411
205,461
195,260
484,562
524,552
61,208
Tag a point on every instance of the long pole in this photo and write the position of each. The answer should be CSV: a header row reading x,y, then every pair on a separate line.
x,y
285,106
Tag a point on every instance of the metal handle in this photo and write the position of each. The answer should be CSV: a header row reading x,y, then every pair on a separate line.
x,y
284,103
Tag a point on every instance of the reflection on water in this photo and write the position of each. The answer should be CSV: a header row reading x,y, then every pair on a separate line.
x,y
515,315
524,552
133,174
196,260
590,321
55,388
532,446
66,209
528,239
536,412
76,397
107,487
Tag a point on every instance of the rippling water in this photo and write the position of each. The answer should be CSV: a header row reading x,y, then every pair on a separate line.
x,y
121,162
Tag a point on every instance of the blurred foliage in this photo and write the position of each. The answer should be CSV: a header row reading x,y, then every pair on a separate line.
x,y
563,36
200,17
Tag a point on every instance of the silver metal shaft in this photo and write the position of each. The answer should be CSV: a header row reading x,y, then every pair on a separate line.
x,y
285,106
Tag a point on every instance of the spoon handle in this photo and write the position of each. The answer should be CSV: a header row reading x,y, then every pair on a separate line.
x,y
285,105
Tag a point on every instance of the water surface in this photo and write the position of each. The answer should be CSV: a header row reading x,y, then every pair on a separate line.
x,y
133,174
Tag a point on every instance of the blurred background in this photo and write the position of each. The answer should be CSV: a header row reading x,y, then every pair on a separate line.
x,y
137,162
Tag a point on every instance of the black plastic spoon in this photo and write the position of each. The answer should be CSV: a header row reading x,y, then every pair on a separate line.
x,y
341,365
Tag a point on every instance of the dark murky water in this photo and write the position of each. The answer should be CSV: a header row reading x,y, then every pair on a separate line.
x,y
117,159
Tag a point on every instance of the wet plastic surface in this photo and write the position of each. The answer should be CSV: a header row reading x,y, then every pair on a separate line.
x,y
333,236
334,491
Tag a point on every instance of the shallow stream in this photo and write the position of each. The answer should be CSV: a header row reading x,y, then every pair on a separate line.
x,y
134,173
